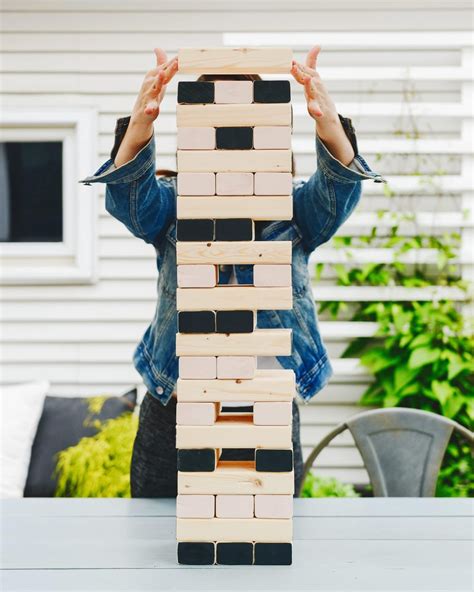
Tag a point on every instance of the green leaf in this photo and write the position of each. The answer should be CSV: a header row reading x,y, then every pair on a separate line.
x,y
442,391
403,375
423,356
422,339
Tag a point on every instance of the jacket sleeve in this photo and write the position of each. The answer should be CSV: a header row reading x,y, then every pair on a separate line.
x,y
144,204
326,200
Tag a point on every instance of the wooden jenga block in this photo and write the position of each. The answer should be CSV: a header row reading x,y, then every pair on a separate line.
x,y
197,138
231,477
273,183
273,506
234,229
262,342
268,385
230,530
233,91
272,275
273,553
199,321
264,207
271,138
271,91
235,60
196,276
195,230
195,506
234,554
230,432
234,298
196,459
233,115
203,367
235,321
275,413
196,92
234,138
234,253
234,183
273,460
196,183
196,553
234,506
236,367
238,161
196,413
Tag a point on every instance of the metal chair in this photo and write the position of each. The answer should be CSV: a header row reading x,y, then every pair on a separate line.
x,y
402,449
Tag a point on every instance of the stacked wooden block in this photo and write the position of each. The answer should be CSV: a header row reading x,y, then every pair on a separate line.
x,y
234,169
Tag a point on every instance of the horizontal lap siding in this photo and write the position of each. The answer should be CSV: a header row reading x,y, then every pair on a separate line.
x,y
82,337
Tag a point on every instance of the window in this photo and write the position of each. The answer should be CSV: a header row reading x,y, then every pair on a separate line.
x,y
47,219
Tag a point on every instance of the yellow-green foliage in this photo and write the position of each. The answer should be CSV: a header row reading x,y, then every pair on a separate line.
x,y
316,486
99,466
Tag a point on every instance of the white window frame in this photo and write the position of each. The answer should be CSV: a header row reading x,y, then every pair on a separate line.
x,y
72,261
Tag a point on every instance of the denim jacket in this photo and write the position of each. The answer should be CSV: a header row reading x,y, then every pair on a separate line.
x,y
147,206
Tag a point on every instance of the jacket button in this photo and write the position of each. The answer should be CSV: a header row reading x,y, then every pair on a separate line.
x,y
159,390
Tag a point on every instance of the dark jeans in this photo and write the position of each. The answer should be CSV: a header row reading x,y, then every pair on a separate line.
x,y
154,460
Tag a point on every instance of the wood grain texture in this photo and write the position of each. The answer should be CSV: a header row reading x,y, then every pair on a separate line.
x,y
235,60
234,298
235,253
262,342
228,530
234,161
233,115
265,207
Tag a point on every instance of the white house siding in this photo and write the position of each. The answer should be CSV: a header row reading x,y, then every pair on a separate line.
x,y
94,54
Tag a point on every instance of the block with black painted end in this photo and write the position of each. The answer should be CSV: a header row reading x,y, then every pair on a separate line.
x,y
235,229
273,460
271,91
234,554
196,553
193,460
197,321
195,230
235,321
234,138
195,92
273,553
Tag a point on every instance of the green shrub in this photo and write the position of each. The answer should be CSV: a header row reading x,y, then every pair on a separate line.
x,y
316,486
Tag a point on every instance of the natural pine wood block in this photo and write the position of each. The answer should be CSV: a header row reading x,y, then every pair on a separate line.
x,y
262,342
273,506
276,207
239,161
234,506
196,183
273,183
271,275
196,413
197,366
233,115
236,367
236,478
232,432
267,385
228,530
274,413
196,276
234,253
233,91
234,183
234,297
196,138
235,60
271,138
195,506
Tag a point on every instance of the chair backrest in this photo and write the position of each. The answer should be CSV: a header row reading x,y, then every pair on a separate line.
x,y
402,449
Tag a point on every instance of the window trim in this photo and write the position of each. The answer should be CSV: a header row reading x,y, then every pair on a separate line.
x,y
74,260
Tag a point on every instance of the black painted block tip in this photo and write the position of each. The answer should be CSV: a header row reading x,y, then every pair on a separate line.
x,y
193,460
199,321
196,553
195,230
238,454
235,321
271,91
235,229
234,554
273,553
273,461
195,92
234,138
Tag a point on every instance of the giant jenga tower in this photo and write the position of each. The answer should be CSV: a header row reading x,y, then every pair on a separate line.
x,y
234,169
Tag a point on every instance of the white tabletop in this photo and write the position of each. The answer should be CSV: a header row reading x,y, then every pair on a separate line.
x,y
339,544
